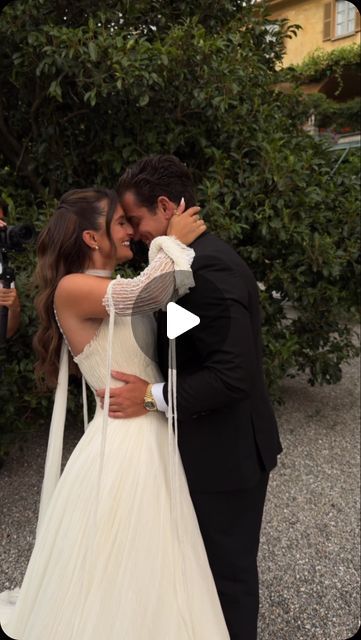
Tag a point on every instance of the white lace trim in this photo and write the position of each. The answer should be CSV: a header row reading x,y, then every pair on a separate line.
x,y
182,257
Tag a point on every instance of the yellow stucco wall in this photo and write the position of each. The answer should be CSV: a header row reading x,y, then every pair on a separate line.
x,y
309,14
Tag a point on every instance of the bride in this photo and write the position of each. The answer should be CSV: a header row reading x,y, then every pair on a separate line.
x,y
118,552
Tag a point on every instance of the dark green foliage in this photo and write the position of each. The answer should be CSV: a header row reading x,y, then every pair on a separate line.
x,y
82,98
333,115
322,63
340,117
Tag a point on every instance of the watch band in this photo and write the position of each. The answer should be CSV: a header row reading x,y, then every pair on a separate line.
x,y
149,402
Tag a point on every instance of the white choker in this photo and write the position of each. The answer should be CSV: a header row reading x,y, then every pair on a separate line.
x,y
104,273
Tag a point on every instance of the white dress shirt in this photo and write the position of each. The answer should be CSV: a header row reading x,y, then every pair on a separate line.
x,y
157,392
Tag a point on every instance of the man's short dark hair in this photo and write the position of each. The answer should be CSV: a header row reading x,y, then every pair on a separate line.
x,y
155,176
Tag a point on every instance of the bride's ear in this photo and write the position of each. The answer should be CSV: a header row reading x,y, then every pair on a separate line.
x,y
90,239
166,207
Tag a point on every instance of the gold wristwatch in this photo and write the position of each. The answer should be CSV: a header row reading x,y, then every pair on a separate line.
x,y
149,402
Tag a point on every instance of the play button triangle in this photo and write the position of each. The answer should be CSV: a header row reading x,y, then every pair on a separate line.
x,y
179,320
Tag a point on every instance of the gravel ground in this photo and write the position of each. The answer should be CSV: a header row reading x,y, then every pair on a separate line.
x,y
310,545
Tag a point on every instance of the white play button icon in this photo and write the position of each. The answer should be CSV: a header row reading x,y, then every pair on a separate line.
x,y
179,320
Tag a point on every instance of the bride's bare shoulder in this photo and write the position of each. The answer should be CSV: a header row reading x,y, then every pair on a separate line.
x,y
82,291
73,283
74,279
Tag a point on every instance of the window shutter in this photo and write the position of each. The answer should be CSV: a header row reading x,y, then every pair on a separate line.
x,y
327,13
357,20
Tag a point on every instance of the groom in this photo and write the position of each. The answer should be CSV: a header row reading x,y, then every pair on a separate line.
x,y
228,436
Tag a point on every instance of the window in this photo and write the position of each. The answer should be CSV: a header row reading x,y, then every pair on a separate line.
x,y
345,18
340,19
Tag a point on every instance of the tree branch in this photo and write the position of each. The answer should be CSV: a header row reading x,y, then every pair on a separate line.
x,y
72,115
39,97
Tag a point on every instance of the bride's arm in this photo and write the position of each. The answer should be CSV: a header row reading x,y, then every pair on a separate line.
x,y
169,273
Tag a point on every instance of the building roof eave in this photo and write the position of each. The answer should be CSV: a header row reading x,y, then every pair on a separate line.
x,y
279,4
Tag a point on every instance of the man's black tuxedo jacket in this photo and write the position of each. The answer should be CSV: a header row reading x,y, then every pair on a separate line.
x,y
227,429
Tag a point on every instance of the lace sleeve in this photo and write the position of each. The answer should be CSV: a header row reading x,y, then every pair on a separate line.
x,y
168,276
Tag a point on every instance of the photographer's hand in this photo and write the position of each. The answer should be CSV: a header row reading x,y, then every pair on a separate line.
x,y
2,223
9,298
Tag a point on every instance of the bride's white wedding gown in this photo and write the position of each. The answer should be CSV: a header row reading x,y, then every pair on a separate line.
x,y
139,572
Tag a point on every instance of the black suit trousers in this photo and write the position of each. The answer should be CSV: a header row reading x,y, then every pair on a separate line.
x,y
230,524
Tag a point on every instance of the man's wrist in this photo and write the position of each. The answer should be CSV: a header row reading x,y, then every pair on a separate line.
x,y
149,402
157,391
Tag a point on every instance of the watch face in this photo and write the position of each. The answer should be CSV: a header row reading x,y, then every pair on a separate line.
x,y
148,404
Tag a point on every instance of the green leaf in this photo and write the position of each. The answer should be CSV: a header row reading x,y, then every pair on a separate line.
x,y
93,51
143,100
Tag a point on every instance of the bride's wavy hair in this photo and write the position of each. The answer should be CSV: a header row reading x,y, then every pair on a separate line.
x,y
61,250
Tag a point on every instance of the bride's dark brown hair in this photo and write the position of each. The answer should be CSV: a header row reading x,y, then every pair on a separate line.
x,y
61,250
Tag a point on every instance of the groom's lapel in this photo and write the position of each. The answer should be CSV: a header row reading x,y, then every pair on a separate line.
x,y
161,318
162,342
162,331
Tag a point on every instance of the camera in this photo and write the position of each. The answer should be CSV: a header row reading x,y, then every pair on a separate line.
x,y
13,238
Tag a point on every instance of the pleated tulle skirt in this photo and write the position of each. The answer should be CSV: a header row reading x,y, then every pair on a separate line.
x,y
131,571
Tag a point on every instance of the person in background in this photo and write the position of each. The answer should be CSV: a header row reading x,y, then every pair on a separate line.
x,y
9,297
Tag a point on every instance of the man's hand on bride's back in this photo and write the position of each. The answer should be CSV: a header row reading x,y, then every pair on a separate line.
x,y
186,225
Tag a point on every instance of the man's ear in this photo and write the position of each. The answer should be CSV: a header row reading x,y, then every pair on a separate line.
x,y
166,207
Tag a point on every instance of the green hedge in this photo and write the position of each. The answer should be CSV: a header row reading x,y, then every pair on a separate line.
x,y
84,97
